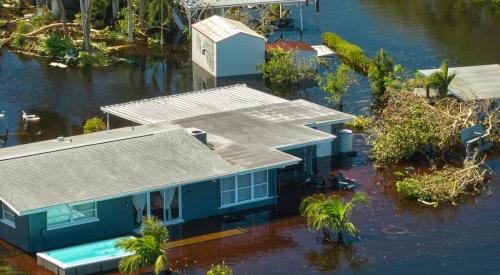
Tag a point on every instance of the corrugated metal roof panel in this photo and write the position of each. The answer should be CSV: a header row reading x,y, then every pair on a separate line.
x,y
170,108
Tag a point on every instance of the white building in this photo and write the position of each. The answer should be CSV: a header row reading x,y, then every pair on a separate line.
x,y
225,47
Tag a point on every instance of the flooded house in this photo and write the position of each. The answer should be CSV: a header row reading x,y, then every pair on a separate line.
x,y
225,47
193,155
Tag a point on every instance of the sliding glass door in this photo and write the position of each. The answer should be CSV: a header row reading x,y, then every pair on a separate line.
x,y
164,204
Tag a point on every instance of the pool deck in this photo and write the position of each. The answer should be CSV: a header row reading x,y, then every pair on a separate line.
x,y
26,263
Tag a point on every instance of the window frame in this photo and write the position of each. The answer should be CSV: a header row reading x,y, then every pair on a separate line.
x,y
72,221
7,221
252,189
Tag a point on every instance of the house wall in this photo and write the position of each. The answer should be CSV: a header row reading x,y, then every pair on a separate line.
x,y
198,43
115,219
200,200
239,55
17,236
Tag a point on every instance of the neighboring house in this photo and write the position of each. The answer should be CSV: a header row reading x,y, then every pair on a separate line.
x,y
198,154
304,53
225,47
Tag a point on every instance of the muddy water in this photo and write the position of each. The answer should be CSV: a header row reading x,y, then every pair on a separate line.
x,y
397,237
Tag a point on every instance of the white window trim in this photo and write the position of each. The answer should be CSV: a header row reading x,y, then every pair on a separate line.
x,y
252,188
72,222
6,221
173,221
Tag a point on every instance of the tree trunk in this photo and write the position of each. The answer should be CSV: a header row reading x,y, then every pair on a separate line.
x,y
340,238
142,23
130,23
64,19
86,10
427,92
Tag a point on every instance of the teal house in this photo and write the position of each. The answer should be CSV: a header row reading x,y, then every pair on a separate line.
x,y
187,157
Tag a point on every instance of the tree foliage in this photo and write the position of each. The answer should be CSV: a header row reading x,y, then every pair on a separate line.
x,y
220,269
440,81
330,215
55,45
349,53
380,72
94,124
283,69
446,184
336,83
149,250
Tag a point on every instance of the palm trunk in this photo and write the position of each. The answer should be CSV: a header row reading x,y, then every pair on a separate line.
x,y
64,19
427,92
86,9
340,238
142,23
130,23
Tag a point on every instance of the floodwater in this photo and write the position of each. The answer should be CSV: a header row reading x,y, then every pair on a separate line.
x,y
397,237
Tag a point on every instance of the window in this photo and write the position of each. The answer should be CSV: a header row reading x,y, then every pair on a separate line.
x,y
228,190
244,188
62,216
260,184
8,216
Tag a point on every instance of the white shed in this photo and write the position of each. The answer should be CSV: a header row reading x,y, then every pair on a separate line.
x,y
226,47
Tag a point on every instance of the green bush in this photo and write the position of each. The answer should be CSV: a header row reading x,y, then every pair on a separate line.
x,y
360,123
18,40
381,72
93,125
3,23
55,45
413,189
41,18
220,269
23,27
283,70
348,52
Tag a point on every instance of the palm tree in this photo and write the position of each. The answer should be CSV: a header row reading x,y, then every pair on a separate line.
x,y
148,250
440,81
330,214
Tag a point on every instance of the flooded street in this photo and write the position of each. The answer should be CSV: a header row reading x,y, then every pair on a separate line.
x,y
397,236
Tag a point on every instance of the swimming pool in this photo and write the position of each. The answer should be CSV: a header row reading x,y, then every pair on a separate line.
x,y
83,259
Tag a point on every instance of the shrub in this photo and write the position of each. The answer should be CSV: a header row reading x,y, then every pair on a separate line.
x,y
348,52
55,45
41,18
220,269
18,40
98,57
3,23
446,184
336,84
360,123
93,125
283,70
23,27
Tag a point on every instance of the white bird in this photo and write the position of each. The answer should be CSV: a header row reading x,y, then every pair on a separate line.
x,y
30,118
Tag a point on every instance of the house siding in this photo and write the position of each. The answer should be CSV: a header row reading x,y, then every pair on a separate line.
x,y
201,200
17,236
239,55
115,219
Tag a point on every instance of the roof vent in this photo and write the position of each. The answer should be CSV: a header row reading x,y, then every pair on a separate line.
x,y
60,139
199,135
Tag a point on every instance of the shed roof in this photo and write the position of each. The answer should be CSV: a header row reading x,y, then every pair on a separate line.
x,y
474,82
199,4
290,46
116,163
170,108
218,28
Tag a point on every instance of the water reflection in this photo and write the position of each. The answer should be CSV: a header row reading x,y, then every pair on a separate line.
x,y
331,256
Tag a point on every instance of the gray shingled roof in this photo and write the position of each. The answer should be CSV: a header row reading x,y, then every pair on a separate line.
x,y
145,158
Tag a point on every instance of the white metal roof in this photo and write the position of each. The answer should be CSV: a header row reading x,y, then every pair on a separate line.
x,y
218,28
197,4
170,108
473,82
323,51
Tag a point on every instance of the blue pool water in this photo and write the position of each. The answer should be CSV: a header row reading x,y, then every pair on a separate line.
x,y
86,253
